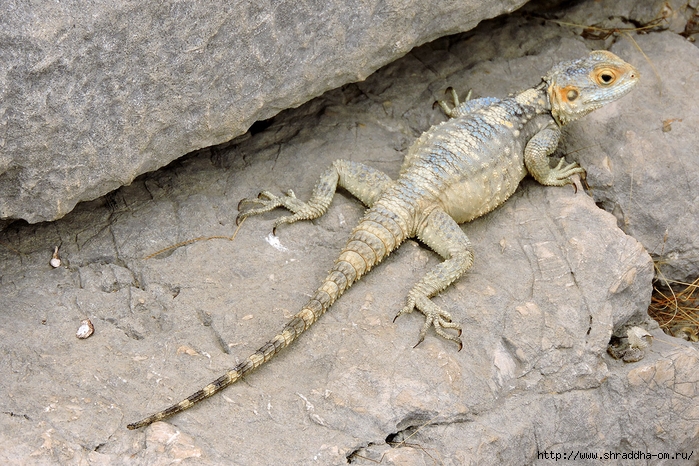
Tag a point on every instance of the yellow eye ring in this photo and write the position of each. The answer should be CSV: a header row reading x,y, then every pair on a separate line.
x,y
605,76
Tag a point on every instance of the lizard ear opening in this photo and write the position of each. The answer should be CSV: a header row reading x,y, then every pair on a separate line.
x,y
566,95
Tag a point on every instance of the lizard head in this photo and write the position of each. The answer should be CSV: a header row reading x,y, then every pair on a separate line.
x,y
575,88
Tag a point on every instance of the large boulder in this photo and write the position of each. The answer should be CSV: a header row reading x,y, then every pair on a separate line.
x,y
94,94
554,277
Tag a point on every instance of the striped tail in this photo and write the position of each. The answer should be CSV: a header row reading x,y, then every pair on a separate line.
x,y
379,233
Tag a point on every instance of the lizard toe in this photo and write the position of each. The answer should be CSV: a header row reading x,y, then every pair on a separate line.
x,y
409,307
437,318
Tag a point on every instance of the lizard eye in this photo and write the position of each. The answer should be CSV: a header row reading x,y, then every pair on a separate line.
x,y
605,77
572,95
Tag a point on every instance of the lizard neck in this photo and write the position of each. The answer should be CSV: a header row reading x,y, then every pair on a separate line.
x,y
536,98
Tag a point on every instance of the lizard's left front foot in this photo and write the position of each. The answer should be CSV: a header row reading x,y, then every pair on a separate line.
x,y
560,176
434,316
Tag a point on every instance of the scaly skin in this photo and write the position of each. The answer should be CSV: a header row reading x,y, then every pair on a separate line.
x,y
455,172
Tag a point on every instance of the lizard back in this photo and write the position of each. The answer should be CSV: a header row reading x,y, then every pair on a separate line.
x,y
473,163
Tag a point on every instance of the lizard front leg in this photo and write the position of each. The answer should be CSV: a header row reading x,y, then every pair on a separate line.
x,y
536,154
443,235
467,106
362,181
457,110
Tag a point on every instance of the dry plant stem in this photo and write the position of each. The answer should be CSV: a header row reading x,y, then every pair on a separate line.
x,y
194,240
671,308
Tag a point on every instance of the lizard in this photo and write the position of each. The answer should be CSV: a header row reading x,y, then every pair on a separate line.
x,y
456,171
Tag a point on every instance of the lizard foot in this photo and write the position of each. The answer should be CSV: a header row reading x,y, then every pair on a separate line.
x,y
560,175
268,201
452,112
434,317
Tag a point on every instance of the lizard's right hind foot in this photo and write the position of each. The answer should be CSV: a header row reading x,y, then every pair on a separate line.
x,y
434,317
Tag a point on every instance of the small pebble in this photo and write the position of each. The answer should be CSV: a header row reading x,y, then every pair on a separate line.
x,y
86,329
55,260
639,337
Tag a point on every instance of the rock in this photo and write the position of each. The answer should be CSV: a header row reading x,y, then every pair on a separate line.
x,y
630,348
93,95
166,445
655,161
553,278
580,425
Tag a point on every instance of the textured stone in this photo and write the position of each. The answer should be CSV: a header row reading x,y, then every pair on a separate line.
x,y
655,162
94,94
533,377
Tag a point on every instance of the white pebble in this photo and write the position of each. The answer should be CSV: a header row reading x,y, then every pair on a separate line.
x,y
55,260
85,330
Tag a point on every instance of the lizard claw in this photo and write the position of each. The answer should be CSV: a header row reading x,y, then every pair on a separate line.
x,y
266,201
452,112
560,175
434,317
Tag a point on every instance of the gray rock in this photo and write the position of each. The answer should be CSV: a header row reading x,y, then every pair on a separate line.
x,y
629,16
554,277
93,95
650,178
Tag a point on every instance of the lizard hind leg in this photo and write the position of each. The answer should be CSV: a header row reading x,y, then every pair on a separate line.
x,y
442,234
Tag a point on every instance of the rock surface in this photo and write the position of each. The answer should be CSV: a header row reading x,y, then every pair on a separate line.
x,y
553,277
657,161
94,94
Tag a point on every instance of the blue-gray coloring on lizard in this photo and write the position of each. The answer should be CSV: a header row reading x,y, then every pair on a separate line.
x,y
455,172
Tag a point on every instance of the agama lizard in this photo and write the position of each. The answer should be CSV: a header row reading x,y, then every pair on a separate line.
x,y
455,172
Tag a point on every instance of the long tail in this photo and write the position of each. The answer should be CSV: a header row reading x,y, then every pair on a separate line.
x,y
379,233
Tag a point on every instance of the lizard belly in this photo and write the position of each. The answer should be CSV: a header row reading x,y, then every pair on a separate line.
x,y
483,189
